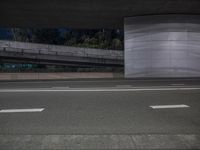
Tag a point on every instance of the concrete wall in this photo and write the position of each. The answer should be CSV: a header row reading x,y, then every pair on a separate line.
x,y
162,46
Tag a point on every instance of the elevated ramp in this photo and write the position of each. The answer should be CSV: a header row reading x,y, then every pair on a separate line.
x,y
22,52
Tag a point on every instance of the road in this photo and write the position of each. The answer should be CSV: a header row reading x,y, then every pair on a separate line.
x,y
100,107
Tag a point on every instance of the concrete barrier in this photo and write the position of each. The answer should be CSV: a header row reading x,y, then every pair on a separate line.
x,y
47,49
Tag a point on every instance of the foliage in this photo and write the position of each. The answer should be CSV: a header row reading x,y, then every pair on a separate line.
x,y
103,39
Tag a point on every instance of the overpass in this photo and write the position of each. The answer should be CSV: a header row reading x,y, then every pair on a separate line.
x,y
20,52
161,36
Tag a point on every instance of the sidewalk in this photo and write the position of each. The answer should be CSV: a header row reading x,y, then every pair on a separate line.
x,y
111,142
56,76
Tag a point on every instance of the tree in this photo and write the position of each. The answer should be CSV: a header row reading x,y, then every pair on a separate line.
x,y
47,36
102,38
22,35
116,44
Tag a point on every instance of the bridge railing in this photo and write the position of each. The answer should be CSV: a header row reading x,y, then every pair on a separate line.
x,y
22,47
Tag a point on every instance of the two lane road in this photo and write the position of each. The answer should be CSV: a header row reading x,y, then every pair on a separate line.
x,y
117,110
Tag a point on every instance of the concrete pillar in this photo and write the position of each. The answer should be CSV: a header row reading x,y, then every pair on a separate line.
x,y
162,46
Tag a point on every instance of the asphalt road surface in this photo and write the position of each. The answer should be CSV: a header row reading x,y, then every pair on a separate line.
x,y
100,107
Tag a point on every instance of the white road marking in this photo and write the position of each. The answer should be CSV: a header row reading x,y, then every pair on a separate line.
x,y
21,110
123,86
181,84
128,80
100,89
169,106
60,87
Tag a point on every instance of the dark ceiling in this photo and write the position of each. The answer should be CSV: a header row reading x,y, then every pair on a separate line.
x,y
86,13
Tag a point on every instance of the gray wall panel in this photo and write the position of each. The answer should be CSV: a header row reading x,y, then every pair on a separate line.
x,y
162,46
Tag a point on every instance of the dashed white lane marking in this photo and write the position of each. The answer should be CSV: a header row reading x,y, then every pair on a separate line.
x,y
169,106
100,90
177,84
123,86
21,110
60,87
